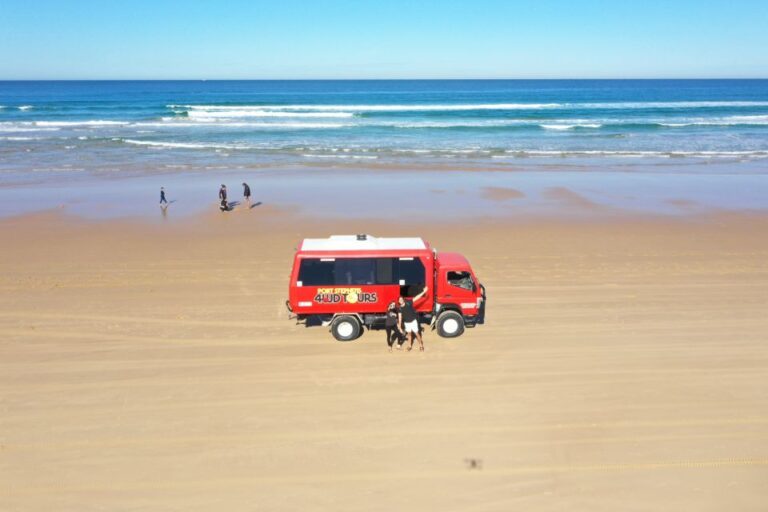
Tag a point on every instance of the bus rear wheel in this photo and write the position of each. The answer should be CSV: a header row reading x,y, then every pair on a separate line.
x,y
450,324
346,328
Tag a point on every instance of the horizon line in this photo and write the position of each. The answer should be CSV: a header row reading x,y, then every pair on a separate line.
x,y
359,79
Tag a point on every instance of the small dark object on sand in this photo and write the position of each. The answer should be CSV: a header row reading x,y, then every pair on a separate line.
x,y
476,464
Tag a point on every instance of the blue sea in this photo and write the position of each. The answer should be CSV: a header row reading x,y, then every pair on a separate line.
x,y
124,125
104,148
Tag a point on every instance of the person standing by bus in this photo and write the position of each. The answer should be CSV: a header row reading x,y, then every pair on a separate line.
x,y
409,319
392,327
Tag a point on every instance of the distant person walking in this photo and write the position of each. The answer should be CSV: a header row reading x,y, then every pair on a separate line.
x,y
163,200
247,194
223,198
409,319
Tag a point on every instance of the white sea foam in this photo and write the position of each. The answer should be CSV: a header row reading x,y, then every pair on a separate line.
x,y
749,119
173,122
569,124
167,123
427,107
237,113
667,104
563,127
320,152
634,154
421,107
553,124
724,121
183,145
441,151
342,157
24,127
284,122
25,107
260,125
69,124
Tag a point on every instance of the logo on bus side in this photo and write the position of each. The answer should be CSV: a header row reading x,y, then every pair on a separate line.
x,y
345,296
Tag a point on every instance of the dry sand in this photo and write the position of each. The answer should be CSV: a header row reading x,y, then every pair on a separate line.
x,y
623,366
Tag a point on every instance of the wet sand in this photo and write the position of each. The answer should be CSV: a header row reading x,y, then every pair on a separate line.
x,y
431,194
151,366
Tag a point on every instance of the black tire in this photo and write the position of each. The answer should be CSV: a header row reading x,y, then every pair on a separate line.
x,y
450,324
346,328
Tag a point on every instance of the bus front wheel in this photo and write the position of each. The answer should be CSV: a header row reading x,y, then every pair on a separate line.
x,y
450,324
346,328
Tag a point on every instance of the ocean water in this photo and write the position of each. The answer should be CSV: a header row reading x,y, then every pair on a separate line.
x,y
106,126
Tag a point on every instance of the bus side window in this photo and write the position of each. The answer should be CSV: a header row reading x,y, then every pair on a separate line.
x,y
316,272
411,271
384,271
350,271
408,273
411,276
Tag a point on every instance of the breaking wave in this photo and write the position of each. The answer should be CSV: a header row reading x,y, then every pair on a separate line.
x,y
183,145
371,153
608,125
371,108
454,107
562,127
237,113
65,124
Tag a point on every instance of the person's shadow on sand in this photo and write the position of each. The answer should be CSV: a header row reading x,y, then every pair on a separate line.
x,y
230,206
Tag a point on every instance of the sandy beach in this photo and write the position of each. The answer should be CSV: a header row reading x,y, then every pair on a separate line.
x,y
592,177
152,366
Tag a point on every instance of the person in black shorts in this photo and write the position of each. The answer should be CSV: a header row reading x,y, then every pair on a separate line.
x,y
409,319
392,327
163,200
247,193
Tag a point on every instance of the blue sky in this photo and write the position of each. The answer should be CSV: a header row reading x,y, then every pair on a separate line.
x,y
141,39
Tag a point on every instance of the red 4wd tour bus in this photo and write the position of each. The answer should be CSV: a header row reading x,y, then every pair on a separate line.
x,y
346,282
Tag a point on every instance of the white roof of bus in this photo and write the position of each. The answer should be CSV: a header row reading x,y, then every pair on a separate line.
x,y
371,243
